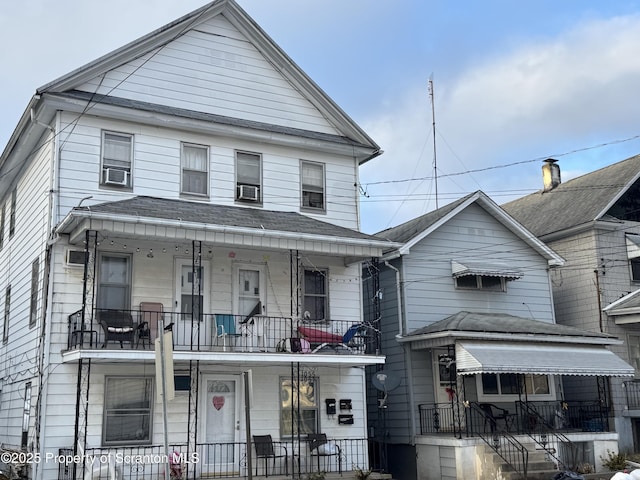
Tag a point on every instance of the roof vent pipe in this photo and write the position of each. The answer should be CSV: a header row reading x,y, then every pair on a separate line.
x,y
550,174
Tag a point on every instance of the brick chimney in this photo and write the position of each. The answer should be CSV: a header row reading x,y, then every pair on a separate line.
x,y
550,174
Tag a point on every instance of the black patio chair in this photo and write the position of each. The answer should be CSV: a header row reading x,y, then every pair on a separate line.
x,y
266,449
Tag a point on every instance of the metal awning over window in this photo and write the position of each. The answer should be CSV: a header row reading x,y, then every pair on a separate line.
x,y
475,358
461,269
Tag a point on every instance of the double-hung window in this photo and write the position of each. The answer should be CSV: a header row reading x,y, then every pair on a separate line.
x,y
117,155
195,170
298,407
128,403
12,213
114,287
2,222
33,306
7,310
248,177
312,185
315,301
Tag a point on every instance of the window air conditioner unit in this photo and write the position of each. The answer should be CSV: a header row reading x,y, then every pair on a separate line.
x,y
248,192
75,258
114,176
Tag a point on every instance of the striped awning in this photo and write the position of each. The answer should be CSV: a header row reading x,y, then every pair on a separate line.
x,y
491,269
487,357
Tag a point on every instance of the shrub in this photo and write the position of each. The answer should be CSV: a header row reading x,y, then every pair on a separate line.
x,y
614,461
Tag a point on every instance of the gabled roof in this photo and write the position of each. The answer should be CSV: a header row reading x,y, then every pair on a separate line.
x,y
577,202
248,27
413,231
628,304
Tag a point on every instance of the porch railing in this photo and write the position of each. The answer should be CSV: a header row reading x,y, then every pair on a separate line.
x,y
632,392
219,332
210,460
568,416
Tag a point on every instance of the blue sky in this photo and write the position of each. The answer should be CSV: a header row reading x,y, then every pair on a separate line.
x,y
514,82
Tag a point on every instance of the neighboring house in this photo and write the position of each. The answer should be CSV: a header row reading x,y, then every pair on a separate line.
x,y
193,181
476,364
593,222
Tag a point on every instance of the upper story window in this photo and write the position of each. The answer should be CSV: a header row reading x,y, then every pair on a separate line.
x,y
117,155
248,177
491,276
2,222
7,310
33,306
315,292
12,213
633,254
195,170
312,185
481,282
114,282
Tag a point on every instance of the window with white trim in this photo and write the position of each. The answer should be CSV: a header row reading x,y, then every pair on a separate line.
x,y
128,403
312,185
248,177
117,156
33,305
195,169
2,223
315,295
633,254
12,212
7,310
298,407
114,282
507,386
633,343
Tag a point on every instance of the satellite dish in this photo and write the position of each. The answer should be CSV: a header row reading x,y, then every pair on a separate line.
x,y
385,381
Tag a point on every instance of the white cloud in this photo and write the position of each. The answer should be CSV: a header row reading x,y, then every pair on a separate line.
x,y
573,91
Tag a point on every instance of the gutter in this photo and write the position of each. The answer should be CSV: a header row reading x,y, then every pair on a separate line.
x,y
519,337
67,222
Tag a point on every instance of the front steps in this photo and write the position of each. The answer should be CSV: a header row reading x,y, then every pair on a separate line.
x,y
540,467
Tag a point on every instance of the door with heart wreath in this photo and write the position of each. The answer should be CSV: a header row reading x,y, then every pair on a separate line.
x,y
221,423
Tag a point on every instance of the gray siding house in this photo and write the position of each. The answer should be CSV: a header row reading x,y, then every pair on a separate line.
x,y
476,362
194,186
593,222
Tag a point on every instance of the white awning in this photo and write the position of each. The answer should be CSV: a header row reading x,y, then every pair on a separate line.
x,y
492,269
475,358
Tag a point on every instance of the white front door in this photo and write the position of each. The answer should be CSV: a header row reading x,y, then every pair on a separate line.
x,y
221,425
250,300
192,296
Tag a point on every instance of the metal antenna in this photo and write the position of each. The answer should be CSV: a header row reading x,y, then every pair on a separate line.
x,y
433,118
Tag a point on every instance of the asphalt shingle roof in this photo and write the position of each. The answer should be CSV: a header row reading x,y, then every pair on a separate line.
x,y
224,215
501,323
575,202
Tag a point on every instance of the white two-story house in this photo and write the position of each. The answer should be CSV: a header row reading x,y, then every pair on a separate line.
x,y
194,182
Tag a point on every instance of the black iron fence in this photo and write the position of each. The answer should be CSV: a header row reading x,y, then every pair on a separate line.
x,y
562,416
213,460
138,329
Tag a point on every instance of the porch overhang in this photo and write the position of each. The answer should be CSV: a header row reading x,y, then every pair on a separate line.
x,y
178,230
493,269
224,358
485,357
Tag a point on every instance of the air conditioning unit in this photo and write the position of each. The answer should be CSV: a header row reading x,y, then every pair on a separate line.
x,y
75,258
249,192
114,176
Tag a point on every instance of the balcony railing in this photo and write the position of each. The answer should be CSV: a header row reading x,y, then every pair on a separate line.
x,y
584,416
632,392
138,329
209,460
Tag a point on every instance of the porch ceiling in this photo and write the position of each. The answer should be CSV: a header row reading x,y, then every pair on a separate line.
x,y
226,358
484,357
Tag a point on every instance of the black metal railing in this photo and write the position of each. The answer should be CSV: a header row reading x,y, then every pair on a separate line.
x,y
503,443
138,329
632,392
560,416
212,460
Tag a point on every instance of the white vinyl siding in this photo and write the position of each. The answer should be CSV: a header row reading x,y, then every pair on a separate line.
x,y
195,170
213,70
